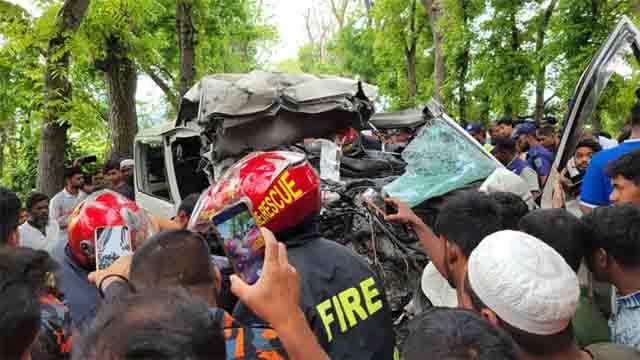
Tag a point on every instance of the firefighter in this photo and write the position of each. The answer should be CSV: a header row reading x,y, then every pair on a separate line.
x,y
342,299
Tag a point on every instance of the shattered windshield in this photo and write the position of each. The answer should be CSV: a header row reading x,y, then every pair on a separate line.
x,y
439,160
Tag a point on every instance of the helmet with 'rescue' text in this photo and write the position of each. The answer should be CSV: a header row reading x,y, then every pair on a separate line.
x,y
105,210
281,186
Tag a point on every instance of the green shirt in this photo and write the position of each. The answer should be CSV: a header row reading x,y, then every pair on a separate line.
x,y
589,324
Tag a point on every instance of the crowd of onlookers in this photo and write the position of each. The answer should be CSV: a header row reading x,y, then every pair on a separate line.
x,y
511,281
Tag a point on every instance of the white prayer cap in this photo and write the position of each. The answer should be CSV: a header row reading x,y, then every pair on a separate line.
x,y
503,180
524,281
437,289
127,163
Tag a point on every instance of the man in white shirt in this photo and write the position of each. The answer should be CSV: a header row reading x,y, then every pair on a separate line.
x,y
65,201
39,232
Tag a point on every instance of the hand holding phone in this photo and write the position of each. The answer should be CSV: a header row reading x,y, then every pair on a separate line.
x,y
242,240
111,244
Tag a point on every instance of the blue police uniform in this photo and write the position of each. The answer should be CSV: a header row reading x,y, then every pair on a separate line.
x,y
540,159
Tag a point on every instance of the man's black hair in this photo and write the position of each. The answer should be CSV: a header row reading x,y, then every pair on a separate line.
x,y
88,179
626,166
178,258
111,165
9,214
512,208
590,143
624,134
187,204
35,198
504,144
23,277
505,120
71,171
155,324
546,131
539,345
456,334
561,230
615,229
468,217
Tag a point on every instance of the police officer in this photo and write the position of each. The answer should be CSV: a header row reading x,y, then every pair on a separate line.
x,y
538,157
505,151
343,300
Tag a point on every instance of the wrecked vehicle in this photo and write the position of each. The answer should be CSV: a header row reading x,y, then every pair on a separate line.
x,y
225,117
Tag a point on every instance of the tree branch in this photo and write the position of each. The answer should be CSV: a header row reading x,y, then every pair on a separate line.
x,y
168,91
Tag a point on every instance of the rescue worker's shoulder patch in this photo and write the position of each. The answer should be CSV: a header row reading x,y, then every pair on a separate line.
x,y
538,162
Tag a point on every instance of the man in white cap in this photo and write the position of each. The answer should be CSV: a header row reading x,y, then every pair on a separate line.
x,y
522,285
126,167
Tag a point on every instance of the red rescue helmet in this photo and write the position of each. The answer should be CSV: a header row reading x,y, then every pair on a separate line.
x,y
105,209
282,187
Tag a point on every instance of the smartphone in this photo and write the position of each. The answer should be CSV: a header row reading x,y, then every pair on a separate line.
x,y
111,243
242,240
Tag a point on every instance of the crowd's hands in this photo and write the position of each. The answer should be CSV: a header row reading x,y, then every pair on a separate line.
x,y
404,215
275,298
120,268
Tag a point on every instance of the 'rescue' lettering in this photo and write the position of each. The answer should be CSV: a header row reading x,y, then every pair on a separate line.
x,y
282,193
349,307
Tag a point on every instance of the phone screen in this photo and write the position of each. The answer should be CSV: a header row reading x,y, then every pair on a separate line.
x,y
111,243
243,241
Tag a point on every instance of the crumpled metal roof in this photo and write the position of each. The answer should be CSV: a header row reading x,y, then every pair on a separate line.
x,y
260,110
240,98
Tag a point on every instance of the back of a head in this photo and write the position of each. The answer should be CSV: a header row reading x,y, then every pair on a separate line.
x,y
561,230
615,229
164,324
467,218
456,334
23,274
505,144
9,214
172,258
512,208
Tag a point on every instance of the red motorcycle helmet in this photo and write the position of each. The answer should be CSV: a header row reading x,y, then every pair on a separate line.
x,y
282,187
105,209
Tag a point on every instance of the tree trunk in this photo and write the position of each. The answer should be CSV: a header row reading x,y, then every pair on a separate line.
x,y
411,75
186,33
53,137
368,5
541,75
434,9
123,120
463,65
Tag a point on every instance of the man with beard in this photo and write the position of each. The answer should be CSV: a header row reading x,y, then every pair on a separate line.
x,y
538,157
39,232
62,205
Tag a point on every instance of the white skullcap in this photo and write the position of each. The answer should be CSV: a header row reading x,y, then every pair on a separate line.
x,y
127,163
503,180
437,289
524,281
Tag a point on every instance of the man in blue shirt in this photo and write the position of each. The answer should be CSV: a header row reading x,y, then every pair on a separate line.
x,y
597,186
539,158
505,151
613,256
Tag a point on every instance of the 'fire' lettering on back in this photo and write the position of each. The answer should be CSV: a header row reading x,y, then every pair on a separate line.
x,y
344,310
282,193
